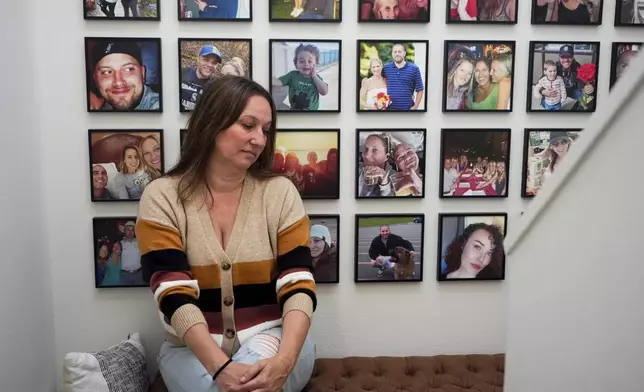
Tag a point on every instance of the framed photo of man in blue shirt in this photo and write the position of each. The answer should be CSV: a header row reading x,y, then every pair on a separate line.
x,y
392,75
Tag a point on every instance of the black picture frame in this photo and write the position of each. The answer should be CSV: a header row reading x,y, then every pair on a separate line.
x,y
102,152
465,50
322,273
248,6
490,191
539,13
95,7
622,13
534,75
449,20
182,136
619,49
332,7
573,134
281,93
330,190
389,219
458,225
361,66
107,231
189,92
364,6
390,136
154,91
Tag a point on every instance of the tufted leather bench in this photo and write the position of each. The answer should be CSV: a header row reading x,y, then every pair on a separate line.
x,y
440,373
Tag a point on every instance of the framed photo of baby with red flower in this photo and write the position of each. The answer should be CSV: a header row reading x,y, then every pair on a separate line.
x,y
563,76
392,76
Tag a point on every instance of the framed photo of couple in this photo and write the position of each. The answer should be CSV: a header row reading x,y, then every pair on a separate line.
x,y
478,76
393,11
482,11
392,76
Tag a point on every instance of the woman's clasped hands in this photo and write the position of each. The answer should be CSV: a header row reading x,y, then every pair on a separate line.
x,y
267,375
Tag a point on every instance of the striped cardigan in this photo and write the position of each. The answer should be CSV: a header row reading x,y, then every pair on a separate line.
x,y
264,272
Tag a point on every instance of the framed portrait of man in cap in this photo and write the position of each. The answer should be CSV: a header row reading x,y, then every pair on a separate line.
x,y
563,77
621,56
204,10
123,74
202,60
122,10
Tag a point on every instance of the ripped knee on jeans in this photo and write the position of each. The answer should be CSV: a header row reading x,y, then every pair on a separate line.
x,y
264,345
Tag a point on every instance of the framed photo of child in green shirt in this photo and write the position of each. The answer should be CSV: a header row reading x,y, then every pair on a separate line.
x,y
305,75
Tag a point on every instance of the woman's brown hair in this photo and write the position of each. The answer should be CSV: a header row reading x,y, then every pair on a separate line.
x,y
219,106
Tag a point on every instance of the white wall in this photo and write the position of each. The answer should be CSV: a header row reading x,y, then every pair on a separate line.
x,y
26,320
351,319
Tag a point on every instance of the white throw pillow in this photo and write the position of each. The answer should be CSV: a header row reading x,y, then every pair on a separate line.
x,y
120,368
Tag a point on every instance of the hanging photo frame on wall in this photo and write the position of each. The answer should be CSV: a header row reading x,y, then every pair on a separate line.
x,y
393,11
490,84
482,12
329,11
325,247
203,60
126,10
215,10
470,246
392,76
568,13
389,248
621,56
629,13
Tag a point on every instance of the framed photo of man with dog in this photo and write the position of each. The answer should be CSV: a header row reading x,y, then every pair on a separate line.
x,y
389,247
470,246
325,247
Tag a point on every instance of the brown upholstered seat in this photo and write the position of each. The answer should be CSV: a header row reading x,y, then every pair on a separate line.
x,y
441,373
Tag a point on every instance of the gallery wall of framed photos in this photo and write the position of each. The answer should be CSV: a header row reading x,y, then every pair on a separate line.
x,y
428,124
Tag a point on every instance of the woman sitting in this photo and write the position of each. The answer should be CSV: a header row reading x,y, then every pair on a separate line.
x,y
225,247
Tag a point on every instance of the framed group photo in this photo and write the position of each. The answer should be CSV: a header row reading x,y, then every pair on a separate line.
x,y
621,56
482,11
122,10
543,151
208,10
117,260
475,163
123,74
563,77
305,75
629,13
201,61
123,162
393,11
478,76
568,12
390,163
389,247
325,247
310,158
305,11
470,246
392,76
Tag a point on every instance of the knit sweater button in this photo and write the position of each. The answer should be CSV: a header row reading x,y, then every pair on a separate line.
x,y
225,265
230,333
228,301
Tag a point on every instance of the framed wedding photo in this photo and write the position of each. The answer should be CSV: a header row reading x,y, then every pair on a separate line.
x,y
621,56
563,77
209,10
543,151
123,162
201,61
122,10
470,246
392,75
475,163
305,75
310,158
629,13
389,247
325,247
123,74
482,11
117,261
478,76
305,11
568,12
390,163
393,11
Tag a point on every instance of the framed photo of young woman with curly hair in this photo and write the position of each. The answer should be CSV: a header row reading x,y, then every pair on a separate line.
x,y
470,246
